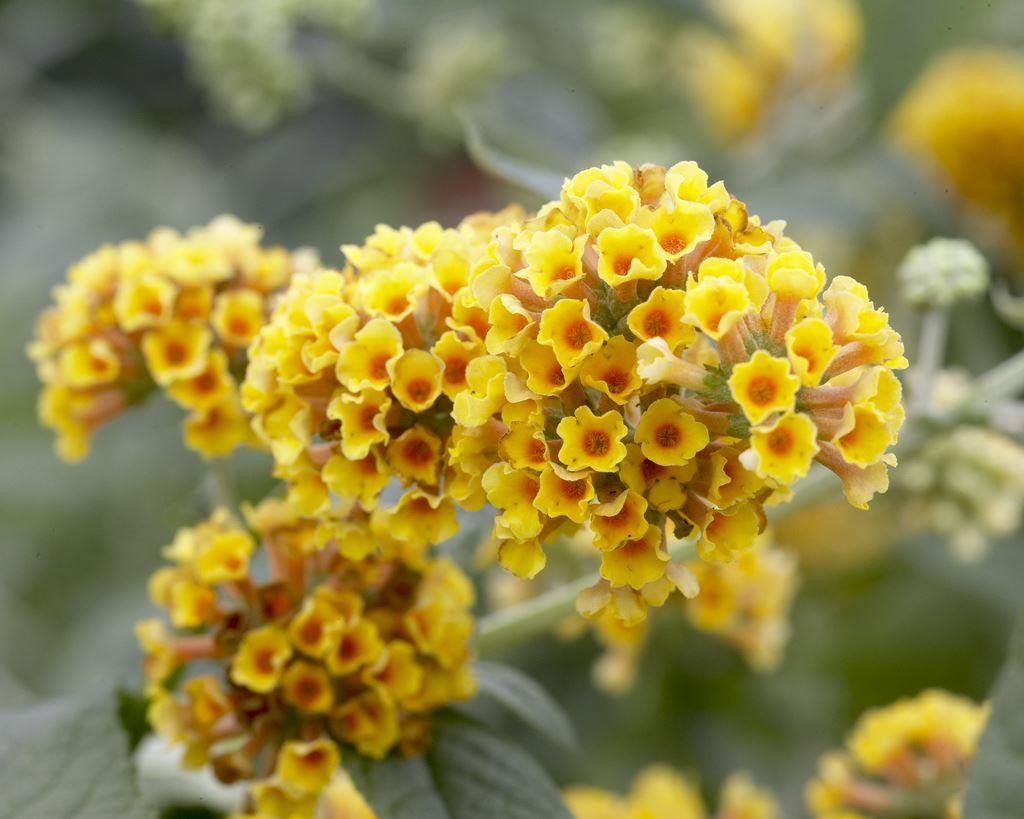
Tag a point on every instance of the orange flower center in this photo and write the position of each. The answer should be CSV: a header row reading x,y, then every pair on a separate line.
x,y
667,436
656,324
536,451
378,367
565,272
264,660
578,334
311,632
418,451
175,352
762,390
650,470
239,326
780,441
596,442
397,304
455,371
622,264
306,691
673,243
574,490
616,380
419,389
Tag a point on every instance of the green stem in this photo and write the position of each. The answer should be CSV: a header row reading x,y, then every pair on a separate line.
x,y
930,354
542,613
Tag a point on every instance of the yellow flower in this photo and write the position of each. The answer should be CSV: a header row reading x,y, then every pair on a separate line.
x,y
679,228
225,557
308,766
613,370
144,301
564,494
554,261
485,394
592,441
604,190
793,275
619,520
661,316
961,121
261,658
307,686
89,363
396,671
629,253
176,351
567,329
394,296
416,379
511,325
786,448
363,421
454,353
362,479
715,304
513,491
313,628
729,532
863,435
215,431
238,315
364,362
763,385
368,721
810,349
544,374
524,559
669,435
636,562
353,647
416,455
211,386
421,519
341,800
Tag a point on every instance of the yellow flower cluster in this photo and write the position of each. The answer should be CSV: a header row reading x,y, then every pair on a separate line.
x,y
332,645
658,792
907,758
964,120
770,53
745,603
351,382
339,799
174,312
658,364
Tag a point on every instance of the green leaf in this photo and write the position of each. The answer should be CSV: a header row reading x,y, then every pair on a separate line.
x,y
397,788
544,183
478,774
526,699
131,713
468,773
67,759
996,787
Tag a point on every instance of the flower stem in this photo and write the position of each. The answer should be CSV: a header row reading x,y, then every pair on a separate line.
x,y
508,626
930,354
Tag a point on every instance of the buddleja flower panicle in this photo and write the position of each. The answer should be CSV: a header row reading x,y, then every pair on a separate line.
x,y
908,757
660,364
277,672
173,312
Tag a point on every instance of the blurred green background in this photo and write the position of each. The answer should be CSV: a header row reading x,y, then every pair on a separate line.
x,y
106,131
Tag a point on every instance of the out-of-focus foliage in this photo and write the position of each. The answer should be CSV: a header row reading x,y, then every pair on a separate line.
x,y
105,132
